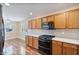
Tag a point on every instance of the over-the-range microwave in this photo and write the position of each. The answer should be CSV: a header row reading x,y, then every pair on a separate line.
x,y
48,25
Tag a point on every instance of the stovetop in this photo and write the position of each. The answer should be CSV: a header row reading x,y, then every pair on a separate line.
x,y
46,37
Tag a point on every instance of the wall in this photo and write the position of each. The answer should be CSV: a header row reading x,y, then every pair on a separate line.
x,y
64,33
23,29
14,33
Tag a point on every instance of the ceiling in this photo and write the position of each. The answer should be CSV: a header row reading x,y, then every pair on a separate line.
x,y
20,11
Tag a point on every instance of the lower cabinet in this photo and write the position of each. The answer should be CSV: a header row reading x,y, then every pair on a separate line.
x,y
26,40
35,42
32,41
62,48
69,49
56,48
78,50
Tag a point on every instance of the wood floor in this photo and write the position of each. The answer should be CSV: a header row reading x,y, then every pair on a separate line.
x,y
17,47
31,51
14,47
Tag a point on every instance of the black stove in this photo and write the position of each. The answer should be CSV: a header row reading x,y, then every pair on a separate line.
x,y
45,44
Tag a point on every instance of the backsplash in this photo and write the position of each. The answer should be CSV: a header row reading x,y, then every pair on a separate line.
x,y
64,33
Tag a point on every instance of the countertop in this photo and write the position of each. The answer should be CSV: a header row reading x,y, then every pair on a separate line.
x,y
67,40
35,35
72,41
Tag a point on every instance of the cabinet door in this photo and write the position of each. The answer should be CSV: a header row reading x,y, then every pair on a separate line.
x,y
73,19
33,24
44,19
38,23
56,48
29,24
35,42
26,40
78,49
50,18
69,49
60,20
30,41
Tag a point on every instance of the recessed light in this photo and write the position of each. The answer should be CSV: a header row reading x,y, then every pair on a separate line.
x,y
30,13
7,4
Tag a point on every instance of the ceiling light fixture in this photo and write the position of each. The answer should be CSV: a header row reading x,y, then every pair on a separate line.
x,y
7,4
30,13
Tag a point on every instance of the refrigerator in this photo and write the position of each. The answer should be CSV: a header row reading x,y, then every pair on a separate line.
x,y
2,32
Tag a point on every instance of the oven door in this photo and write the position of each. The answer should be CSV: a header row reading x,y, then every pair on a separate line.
x,y
44,47
44,44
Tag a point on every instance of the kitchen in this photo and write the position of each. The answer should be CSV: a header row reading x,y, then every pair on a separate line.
x,y
51,29
64,29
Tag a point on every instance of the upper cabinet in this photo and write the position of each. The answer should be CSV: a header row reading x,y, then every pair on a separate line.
x,y
44,19
38,23
33,24
29,24
68,19
60,20
73,19
50,18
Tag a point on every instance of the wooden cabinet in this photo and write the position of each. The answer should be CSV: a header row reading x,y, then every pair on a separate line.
x,y
50,18
29,24
60,20
33,24
62,48
56,48
78,50
44,20
30,41
26,40
69,49
73,19
38,23
35,42
69,19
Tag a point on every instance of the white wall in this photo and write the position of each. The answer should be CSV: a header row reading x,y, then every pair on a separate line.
x,y
64,33
14,33
23,29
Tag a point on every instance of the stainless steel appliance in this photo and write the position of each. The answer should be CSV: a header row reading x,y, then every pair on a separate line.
x,y
45,44
48,25
2,33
